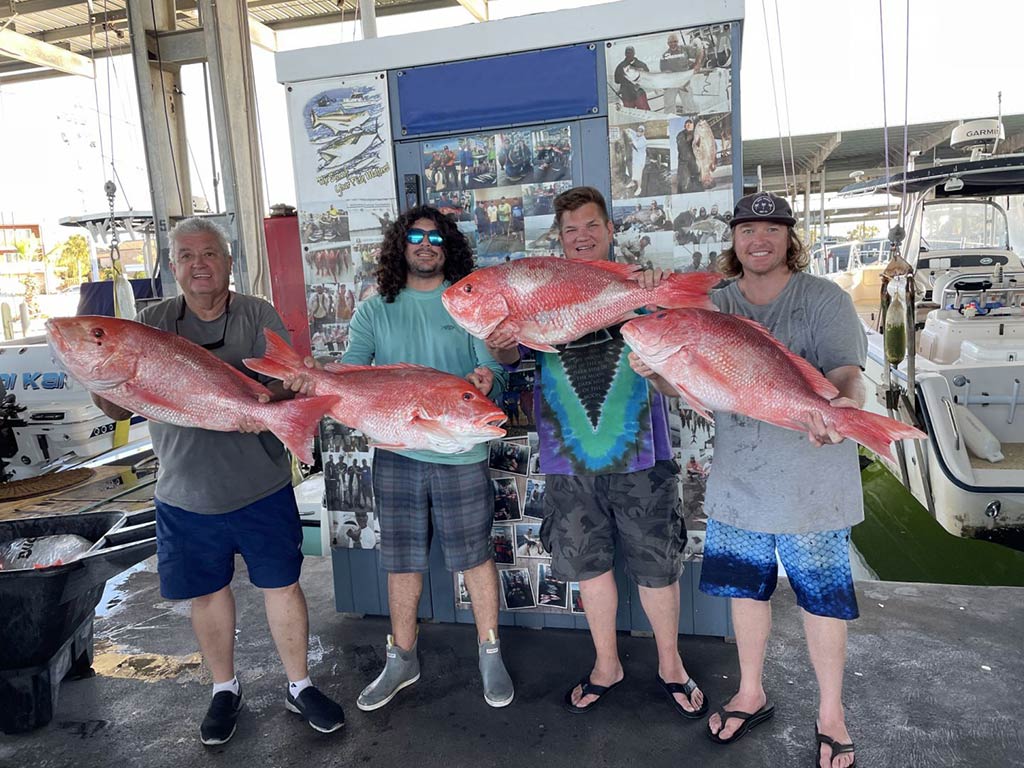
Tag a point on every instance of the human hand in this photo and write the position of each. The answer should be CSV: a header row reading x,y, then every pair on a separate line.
x,y
248,424
651,278
300,382
501,339
482,378
640,367
820,432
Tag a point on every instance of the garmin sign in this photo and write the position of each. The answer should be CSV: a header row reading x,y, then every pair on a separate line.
x,y
976,133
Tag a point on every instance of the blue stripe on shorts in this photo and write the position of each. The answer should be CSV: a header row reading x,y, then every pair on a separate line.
x,y
742,563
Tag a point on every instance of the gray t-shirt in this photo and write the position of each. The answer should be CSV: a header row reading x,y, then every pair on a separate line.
x,y
216,472
766,478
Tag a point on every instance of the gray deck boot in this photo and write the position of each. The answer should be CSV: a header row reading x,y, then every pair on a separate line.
x,y
498,689
401,670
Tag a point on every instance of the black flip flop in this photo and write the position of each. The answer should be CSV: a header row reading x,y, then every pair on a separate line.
x,y
589,689
687,690
750,720
836,747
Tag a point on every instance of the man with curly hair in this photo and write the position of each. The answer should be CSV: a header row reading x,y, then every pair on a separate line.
x,y
423,253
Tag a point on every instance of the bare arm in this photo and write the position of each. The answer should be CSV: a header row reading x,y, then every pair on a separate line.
x,y
654,379
116,412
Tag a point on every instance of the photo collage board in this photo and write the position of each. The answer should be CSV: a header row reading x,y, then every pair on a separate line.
x,y
525,580
345,186
500,187
670,129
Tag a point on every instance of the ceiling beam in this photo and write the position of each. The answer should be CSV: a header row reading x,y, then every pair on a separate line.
x,y
478,9
34,6
815,161
1012,143
337,17
931,140
33,51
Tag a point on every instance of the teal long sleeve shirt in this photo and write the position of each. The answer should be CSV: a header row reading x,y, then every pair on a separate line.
x,y
416,328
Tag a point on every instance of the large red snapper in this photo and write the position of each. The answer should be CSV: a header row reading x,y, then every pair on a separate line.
x,y
167,378
723,362
406,407
546,300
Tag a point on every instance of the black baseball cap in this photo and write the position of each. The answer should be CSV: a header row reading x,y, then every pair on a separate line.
x,y
762,206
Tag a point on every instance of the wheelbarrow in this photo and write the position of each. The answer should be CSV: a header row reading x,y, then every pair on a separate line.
x,y
46,614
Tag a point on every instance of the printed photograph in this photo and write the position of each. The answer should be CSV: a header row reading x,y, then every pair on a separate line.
x,y
516,588
702,218
539,199
533,505
462,592
505,222
507,456
695,454
575,597
323,223
697,257
551,593
528,543
542,236
517,402
640,160
459,164
506,499
504,545
458,205
552,154
356,530
668,74
700,152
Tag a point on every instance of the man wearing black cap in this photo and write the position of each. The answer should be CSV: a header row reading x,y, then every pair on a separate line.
x,y
631,94
773,490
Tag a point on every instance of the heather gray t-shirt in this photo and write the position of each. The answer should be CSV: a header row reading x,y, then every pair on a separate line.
x,y
769,479
216,472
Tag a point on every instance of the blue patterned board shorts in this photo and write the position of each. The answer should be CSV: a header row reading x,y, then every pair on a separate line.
x,y
458,497
741,563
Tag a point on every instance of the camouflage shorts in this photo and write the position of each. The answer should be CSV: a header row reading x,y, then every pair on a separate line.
x,y
584,515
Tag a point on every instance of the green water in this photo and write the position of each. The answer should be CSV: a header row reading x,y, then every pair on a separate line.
x,y
900,541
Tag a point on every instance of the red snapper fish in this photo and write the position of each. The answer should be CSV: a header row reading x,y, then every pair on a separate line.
x,y
546,300
402,407
167,378
723,362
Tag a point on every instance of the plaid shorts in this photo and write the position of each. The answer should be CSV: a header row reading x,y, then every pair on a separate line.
x,y
742,563
584,514
458,497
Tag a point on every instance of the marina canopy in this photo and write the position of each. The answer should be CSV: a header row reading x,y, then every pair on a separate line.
x,y
47,38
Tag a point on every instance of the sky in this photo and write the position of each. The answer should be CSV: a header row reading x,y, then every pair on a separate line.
x,y
830,58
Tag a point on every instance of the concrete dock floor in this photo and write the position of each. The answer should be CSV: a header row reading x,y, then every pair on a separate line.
x,y
935,678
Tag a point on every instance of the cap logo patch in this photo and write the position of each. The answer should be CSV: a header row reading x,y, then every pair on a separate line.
x,y
763,206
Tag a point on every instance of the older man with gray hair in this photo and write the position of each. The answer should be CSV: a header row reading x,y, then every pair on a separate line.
x,y
219,493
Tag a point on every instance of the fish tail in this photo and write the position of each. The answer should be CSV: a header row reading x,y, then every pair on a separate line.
x,y
687,290
296,421
874,431
279,360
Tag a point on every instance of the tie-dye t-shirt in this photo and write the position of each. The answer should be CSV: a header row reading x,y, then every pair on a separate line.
x,y
594,414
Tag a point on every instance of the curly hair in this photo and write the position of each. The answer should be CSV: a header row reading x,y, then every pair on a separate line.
x,y
797,258
393,269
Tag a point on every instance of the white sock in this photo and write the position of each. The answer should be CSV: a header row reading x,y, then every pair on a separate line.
x,y
299,686
230,685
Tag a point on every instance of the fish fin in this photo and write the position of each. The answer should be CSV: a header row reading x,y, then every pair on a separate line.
x,y
687,290
628,271
346,368
692,401
815,379
872,430
390,446
538,346
297,421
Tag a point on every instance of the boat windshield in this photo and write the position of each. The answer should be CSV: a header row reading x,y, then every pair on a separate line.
x,y
961,224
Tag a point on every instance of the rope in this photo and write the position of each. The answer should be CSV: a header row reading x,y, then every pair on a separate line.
x,y
778,123
785,97
96,88
885,114
906,115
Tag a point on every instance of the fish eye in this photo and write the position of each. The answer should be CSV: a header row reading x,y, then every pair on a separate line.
x,y
469,288
467,395
97,332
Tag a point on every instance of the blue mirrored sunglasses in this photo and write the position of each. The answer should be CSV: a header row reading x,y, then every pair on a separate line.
x,y
415,237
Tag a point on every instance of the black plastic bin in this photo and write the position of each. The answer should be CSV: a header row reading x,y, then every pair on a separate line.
x,y
46,614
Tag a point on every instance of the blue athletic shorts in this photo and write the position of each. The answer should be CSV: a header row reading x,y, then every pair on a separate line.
x,y
458,497
196,553
741,563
